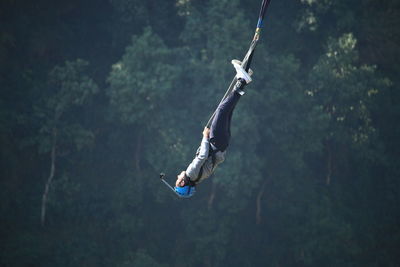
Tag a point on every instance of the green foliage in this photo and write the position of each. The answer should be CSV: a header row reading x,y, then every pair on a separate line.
x,y
142,86
142,79
141,259
207,30
311,174
69,88
344,90
63,193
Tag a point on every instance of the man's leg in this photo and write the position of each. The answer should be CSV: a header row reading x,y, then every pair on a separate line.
x,y
220,132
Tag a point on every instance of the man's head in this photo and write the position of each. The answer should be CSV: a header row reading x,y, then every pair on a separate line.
x,y
183,186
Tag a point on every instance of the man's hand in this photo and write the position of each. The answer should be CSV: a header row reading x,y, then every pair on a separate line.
x,y
180,179
206,132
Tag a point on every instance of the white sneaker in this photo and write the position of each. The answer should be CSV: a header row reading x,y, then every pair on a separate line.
x,y
240,72
250,72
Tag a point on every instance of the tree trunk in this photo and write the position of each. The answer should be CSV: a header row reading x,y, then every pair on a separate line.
x,y
258,203
212,196
329,166
50,178
138,150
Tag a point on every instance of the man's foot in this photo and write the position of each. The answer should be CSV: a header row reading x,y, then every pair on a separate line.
x,y
250,72
240,83
240,72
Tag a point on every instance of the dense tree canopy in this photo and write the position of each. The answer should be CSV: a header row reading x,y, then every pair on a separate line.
x,y
98,97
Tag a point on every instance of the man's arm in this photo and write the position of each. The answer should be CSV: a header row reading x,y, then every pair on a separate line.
x,y
205,145
194,167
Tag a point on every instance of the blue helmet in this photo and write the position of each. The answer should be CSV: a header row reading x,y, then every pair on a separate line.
x,y
185,191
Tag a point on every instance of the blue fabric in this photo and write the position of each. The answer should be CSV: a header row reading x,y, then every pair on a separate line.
x,y
220,130
259,23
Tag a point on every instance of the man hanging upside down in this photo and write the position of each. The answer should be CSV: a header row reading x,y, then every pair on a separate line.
x,y
215,139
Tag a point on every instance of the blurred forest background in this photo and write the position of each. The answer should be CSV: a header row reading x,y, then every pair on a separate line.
x,y
98,97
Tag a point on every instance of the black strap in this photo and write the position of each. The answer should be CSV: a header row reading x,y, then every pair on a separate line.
x,y
188,181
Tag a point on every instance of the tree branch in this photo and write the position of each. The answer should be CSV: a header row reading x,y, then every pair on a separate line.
x,y
50,178
258,203
137,151
212,195
329,166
